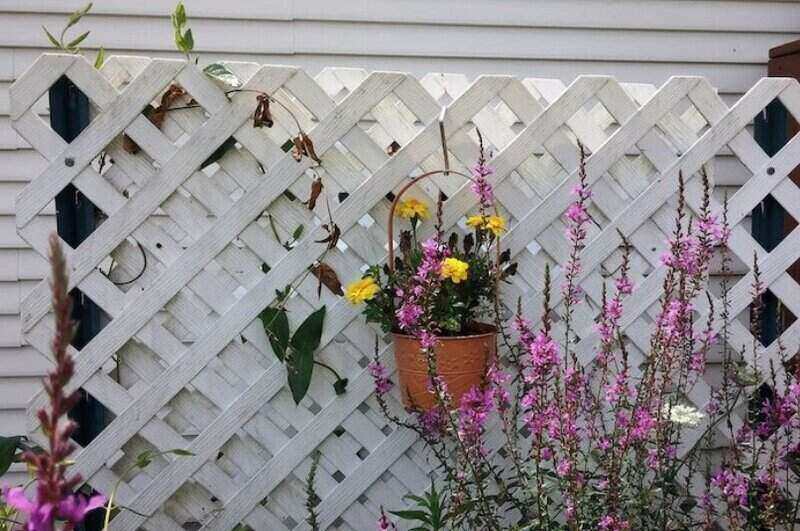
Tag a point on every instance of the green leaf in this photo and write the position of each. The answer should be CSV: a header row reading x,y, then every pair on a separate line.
x,y
100,59
8,449
144,459
180,452
179,41
300,366
179,16
73,44
188,41
276,325
77,15
422,516
282,295
183,39
52,39
298,232
304,342
222,74
309,332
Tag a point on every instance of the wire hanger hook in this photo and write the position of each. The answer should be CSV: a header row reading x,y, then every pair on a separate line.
x,y
444,141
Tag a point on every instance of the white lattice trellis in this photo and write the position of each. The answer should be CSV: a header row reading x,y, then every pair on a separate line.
x,y
183,361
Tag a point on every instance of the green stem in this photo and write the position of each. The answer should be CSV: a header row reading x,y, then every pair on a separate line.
x,y
331,369
110,504
275,232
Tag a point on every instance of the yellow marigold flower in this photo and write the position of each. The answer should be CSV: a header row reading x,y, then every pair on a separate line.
x,y
496,224
361,290
412,208
476,222
454,269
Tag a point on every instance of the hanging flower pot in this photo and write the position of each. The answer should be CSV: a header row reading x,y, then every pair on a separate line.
x,y
431,296
461,363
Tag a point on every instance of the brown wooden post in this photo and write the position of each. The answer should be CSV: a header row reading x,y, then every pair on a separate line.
x,y
784,61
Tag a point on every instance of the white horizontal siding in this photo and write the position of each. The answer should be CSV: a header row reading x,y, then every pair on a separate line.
x,y
711,15
414,40
634,40
21,264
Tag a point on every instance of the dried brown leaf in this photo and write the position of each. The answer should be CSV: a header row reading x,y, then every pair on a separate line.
x,y
262,117
469,243
509,271
298,150
327,277
156,115
333,235
170,96
452,242
316,189
309,148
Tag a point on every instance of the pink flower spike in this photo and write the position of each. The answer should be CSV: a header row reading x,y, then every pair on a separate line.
x,y
581,191
624,286
72,508
408,315
76,507
15,497
563,468
576,213
427,340
39,517
384,524
379,374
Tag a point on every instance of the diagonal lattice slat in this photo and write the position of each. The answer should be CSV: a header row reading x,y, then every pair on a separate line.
x,y
182,361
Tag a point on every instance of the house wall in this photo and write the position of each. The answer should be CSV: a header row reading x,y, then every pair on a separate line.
x,y
634,40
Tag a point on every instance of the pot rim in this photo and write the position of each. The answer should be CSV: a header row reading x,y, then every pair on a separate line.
x,y
491,331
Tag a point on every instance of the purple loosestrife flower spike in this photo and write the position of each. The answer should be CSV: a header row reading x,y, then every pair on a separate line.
x,y
480,186
54,499
379,374
384,524
578,216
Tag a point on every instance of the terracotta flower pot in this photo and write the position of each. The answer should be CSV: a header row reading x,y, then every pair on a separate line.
x,y
460,360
